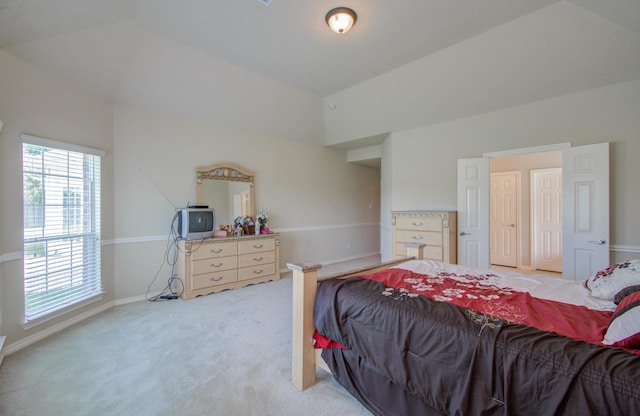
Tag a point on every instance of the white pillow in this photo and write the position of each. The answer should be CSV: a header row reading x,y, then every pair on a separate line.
x,y
607,282
624,328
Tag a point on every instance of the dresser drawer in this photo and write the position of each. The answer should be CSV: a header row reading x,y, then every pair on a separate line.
x,y
255,272
253,259
424,237
218,264
419,224
214,279
207,251
429,253
256,246
214,264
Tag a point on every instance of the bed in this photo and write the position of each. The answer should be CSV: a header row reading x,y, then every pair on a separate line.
x,y
422,337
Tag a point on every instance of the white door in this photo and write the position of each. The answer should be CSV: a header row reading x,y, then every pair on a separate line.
x,y
503,219
586,210
547,218
473,212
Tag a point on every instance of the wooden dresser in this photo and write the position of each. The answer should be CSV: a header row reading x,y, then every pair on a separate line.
x,y
216,264
436,229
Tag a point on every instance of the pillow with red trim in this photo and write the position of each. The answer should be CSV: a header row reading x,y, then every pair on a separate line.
x,y
624,327
607,282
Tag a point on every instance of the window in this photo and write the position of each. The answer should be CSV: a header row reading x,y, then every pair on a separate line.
x,y
61,194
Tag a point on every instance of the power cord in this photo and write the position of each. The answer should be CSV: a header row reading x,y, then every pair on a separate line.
x,y
170,291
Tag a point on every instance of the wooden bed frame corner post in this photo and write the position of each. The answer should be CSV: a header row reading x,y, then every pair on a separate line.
x,y
415,250
305,285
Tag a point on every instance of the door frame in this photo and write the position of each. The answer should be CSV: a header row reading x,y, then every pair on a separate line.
x,y
568,152
479,242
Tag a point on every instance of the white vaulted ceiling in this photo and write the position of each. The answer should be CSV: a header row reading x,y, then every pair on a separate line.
x,y
105,46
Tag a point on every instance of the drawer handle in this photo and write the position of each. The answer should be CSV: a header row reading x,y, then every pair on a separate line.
x,y
216,251
258,271
216,265
258,258
417,224
216,279
416,237
258,246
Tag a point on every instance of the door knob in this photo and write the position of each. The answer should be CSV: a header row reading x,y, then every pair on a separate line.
x,y
598,242
512,225
462,233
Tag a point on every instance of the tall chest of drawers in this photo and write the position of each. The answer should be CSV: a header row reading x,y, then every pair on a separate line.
x,y
216,264
436,229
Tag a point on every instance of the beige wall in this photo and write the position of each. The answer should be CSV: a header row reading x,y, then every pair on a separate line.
x,y
32,102
558,50
325,208
315,197
497,91
423,160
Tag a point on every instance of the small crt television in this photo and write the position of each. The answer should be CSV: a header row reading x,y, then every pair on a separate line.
x,y
196,223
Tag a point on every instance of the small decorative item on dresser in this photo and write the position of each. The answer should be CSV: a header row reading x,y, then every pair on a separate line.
x,y
244,225
262,220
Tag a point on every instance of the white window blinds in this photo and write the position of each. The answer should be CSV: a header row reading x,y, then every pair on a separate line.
x,y
61,195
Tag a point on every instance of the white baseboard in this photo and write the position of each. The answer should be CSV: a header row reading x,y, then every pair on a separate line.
x,y
528,268
11,348
134,299
25,342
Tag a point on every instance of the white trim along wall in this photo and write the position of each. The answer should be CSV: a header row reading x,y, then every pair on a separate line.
x,y
622,252
630,251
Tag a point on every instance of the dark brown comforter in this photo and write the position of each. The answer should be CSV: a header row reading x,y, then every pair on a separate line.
x,y
415,356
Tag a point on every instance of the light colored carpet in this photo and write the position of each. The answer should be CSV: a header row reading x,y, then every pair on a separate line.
x,y
222,354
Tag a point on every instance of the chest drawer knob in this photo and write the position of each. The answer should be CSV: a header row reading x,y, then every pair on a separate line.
x,y
417,237
258,258
216,250
258,271
216,265
216,279
417,224
258,245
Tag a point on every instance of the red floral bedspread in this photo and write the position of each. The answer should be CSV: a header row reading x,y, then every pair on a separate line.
x,y
414,354
478,293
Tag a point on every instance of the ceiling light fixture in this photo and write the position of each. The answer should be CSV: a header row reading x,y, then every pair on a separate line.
x,y
341,19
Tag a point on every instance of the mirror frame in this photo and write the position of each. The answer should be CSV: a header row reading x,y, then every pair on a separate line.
x,y
227,172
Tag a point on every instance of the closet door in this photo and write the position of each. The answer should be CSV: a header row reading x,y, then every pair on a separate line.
x,y
585,188
473,212
546,219
503,223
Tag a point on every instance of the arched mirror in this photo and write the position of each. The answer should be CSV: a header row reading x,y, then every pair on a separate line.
x,y
228,188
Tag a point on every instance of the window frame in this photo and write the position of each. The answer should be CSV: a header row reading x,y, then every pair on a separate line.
x,y
81,256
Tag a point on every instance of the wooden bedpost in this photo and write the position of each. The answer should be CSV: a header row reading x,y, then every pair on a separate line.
x,y
305,285
415,250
